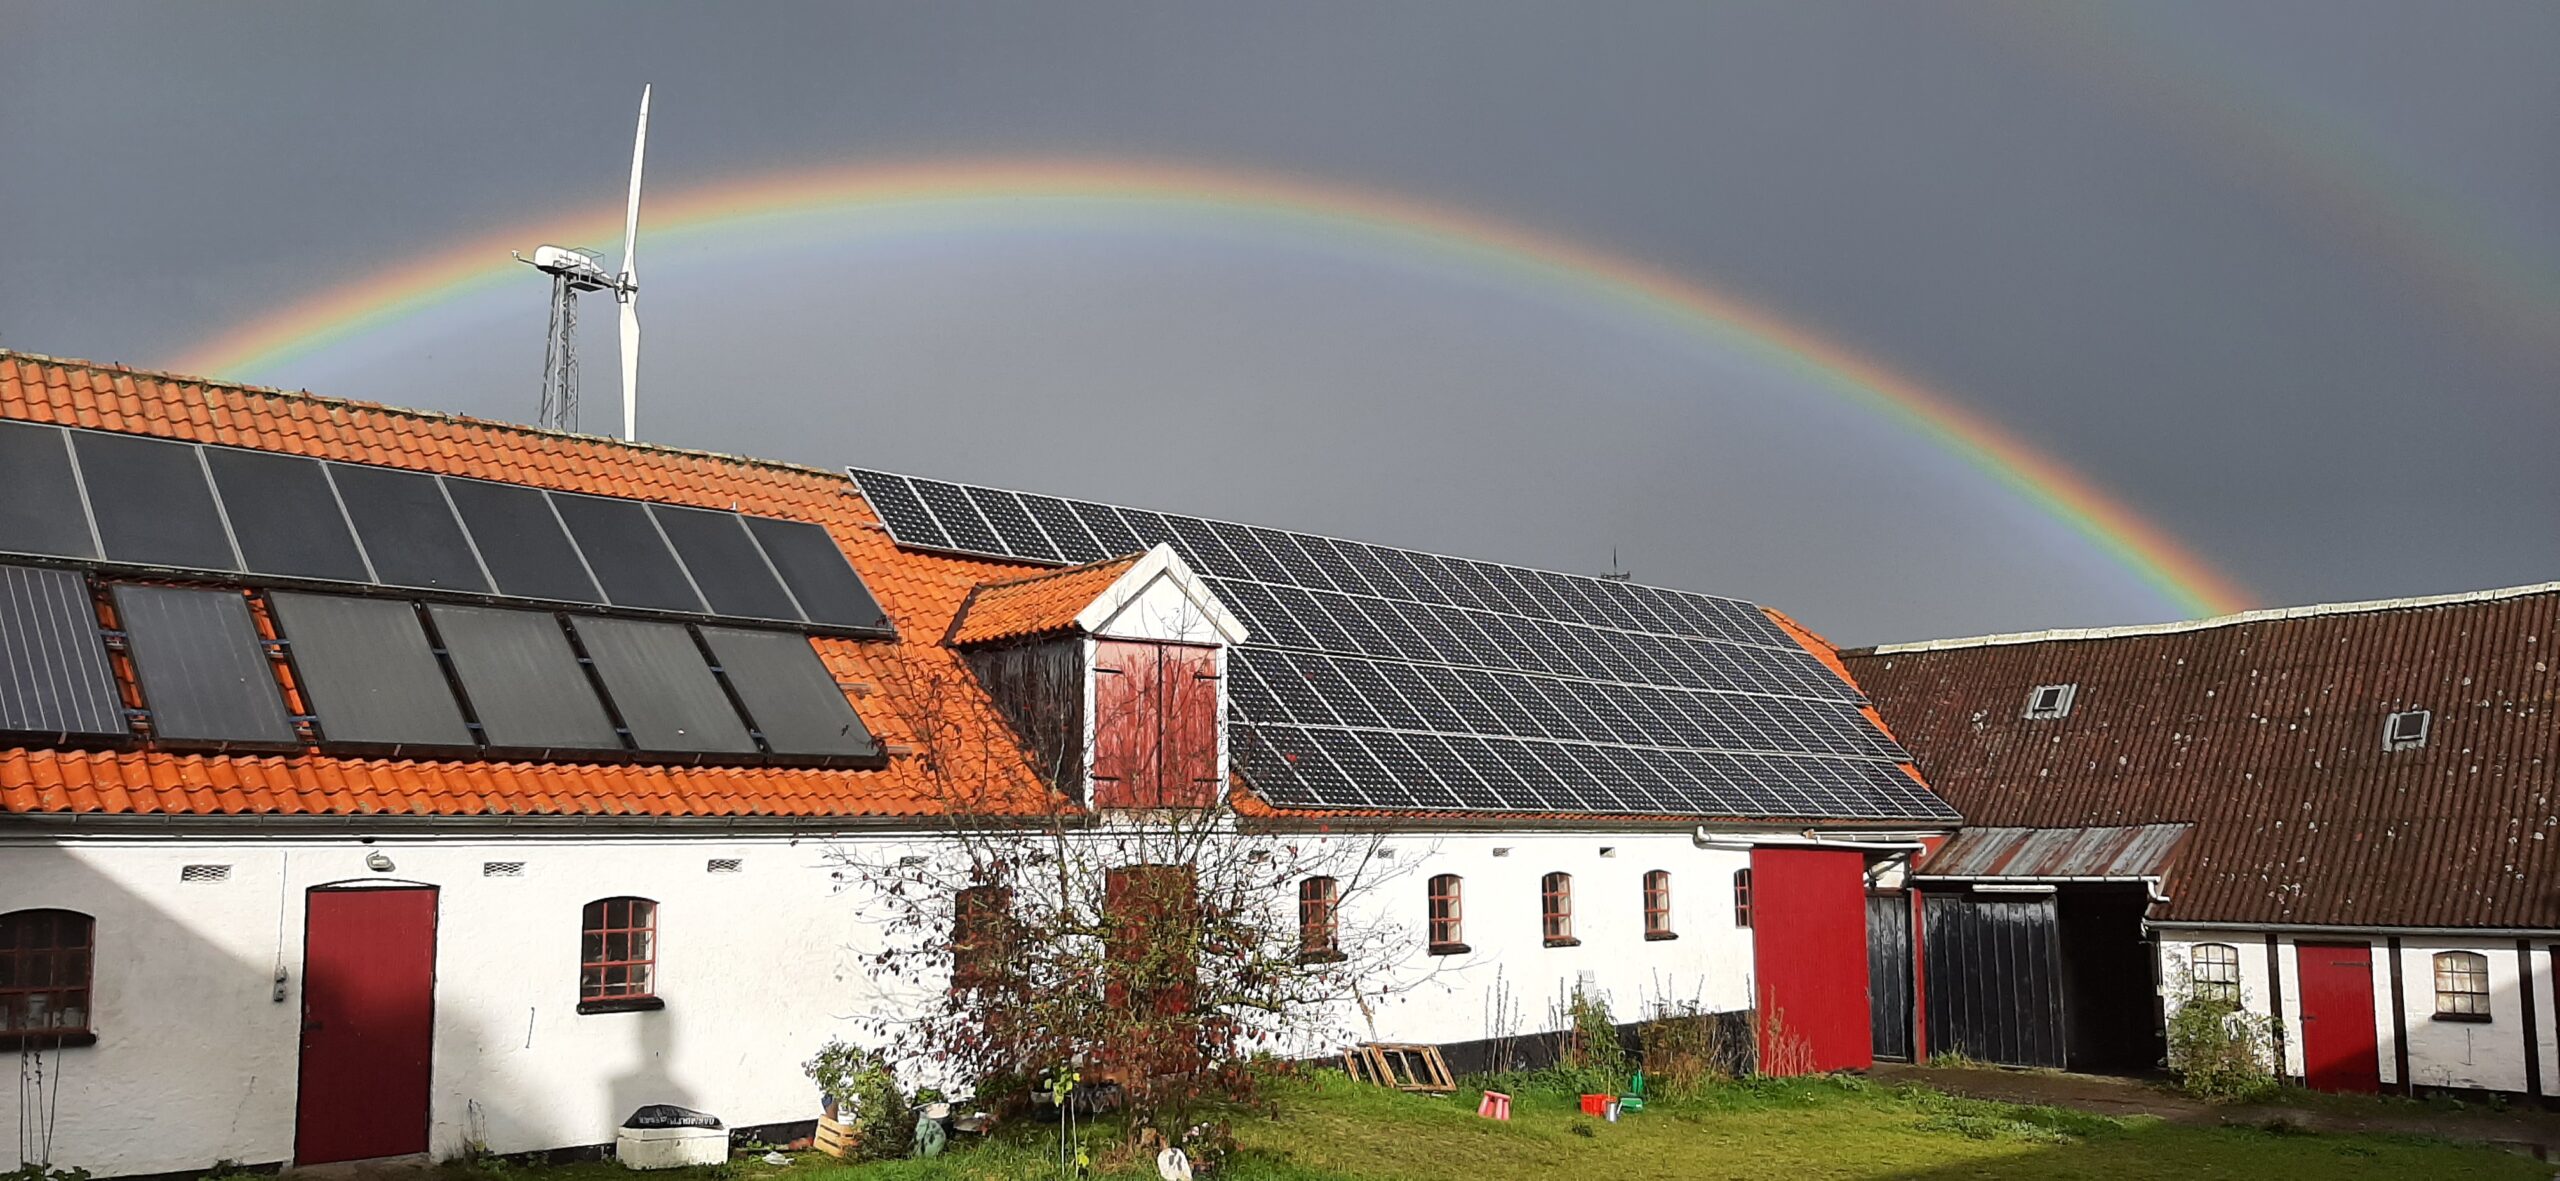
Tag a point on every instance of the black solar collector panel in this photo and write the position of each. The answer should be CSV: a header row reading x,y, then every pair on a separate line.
x,y
54,677
812,565
205,675
663,688
152,502
521,541
408,528
365,667
726,563
796,704
523,679
285,516
629,557
40,507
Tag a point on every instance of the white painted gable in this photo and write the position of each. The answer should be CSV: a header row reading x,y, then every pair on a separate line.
x,y
1161,600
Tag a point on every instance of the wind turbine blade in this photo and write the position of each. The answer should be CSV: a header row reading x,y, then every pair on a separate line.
x,y
630,369
631,216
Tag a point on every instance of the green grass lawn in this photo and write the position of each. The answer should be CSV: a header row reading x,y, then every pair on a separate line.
x,y
1330,1128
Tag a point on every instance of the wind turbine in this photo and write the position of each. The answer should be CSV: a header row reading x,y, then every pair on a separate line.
x,y
573,271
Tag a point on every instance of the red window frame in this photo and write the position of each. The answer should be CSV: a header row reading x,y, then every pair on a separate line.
x,y
979,934
618,954
1555,909
1447,915
1319,920
50,958
1742,898
1657,904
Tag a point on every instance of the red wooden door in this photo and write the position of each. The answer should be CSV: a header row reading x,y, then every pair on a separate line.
x,y
1809,958
1155,726
368,1024
2338,1047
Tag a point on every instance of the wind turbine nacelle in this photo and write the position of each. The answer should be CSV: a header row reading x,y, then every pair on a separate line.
x,y
563,260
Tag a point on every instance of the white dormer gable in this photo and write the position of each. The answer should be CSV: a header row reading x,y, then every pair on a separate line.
x,y
1159,599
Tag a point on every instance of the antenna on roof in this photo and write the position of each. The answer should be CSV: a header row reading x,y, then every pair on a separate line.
x,y
1617,573
573,271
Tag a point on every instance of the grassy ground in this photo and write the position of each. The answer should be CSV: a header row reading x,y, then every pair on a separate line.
x,y
1331,1129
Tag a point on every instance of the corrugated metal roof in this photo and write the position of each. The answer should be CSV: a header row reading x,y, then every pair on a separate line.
x,y
2267,736
2117,851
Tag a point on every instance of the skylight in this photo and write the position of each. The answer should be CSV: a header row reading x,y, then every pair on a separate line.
x,y
2051,701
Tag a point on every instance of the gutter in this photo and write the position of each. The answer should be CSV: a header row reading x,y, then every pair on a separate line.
x,y
1708,838
2342,929
2150,883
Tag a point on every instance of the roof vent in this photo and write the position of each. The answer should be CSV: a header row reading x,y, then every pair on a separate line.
x,y
2406,730
2051,701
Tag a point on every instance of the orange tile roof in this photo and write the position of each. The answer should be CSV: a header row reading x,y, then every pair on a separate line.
x,y
1035,606
915,678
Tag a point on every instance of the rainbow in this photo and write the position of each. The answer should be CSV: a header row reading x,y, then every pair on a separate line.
x,y
1401,226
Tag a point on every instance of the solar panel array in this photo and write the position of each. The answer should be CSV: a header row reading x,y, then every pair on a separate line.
x,y
382,675
1386,678
160,504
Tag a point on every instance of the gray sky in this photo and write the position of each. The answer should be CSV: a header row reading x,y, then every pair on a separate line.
x,y
2282,277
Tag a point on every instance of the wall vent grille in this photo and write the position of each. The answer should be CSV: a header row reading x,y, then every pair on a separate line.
x,y
205,873
502,869
725,865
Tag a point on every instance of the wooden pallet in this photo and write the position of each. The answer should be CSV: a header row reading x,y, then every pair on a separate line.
x,y
1404,1066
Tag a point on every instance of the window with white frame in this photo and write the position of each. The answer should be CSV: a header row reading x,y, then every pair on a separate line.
x,y
2051,701
2214,968
2462,986
2406,730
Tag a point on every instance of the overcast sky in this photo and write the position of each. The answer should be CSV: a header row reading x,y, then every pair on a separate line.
x,y
2282,277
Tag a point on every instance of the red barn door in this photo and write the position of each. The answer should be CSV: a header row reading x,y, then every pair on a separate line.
x,y
1155,725
368,1024
2339,1049
1809,960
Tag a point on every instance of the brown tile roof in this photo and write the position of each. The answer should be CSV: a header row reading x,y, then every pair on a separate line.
x,y
2265,732
1039,605
914,677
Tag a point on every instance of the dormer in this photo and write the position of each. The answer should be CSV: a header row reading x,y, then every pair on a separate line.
x,y
1112,675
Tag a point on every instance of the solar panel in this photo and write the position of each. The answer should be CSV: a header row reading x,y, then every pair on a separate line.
x,y
285,516
521,541
523,680
54,677
367,672
895,500
205,676
152,503
725,563
1418,680
663,688
814,567
624,549
40,507
408,528
795,702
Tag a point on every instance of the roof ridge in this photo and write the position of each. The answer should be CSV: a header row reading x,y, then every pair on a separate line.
x,y
440,416
2306,611
1062,571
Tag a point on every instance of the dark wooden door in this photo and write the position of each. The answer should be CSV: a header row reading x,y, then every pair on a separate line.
x,y
1993,978
1889,973
368,1024
2338,1041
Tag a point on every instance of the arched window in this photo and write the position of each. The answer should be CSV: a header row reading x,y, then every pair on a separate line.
x,y
1555,905
1657,904
1742,898
2462,986
1319,932
1448,929
44,976
618,956
2215,970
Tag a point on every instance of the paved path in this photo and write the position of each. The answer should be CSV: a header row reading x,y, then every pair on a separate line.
x,y
2533,1132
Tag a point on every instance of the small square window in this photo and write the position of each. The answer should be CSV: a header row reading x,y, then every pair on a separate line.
x,y
2051,701
2407,730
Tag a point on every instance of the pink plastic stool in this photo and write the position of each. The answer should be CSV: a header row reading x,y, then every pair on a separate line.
x,y
1495,1105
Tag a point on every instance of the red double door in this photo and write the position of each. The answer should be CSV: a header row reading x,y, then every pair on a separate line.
x,y
2339,1049
368,1024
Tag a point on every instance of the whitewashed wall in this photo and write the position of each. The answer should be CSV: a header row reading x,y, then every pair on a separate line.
x,y
757,969
2486,1055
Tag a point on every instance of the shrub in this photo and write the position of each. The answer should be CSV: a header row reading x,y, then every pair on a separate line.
x,y
1683,1048
2220,1053
1591,1044
864,1091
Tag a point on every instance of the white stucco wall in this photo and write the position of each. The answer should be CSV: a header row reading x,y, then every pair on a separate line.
x,y
757,968
2488,1055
